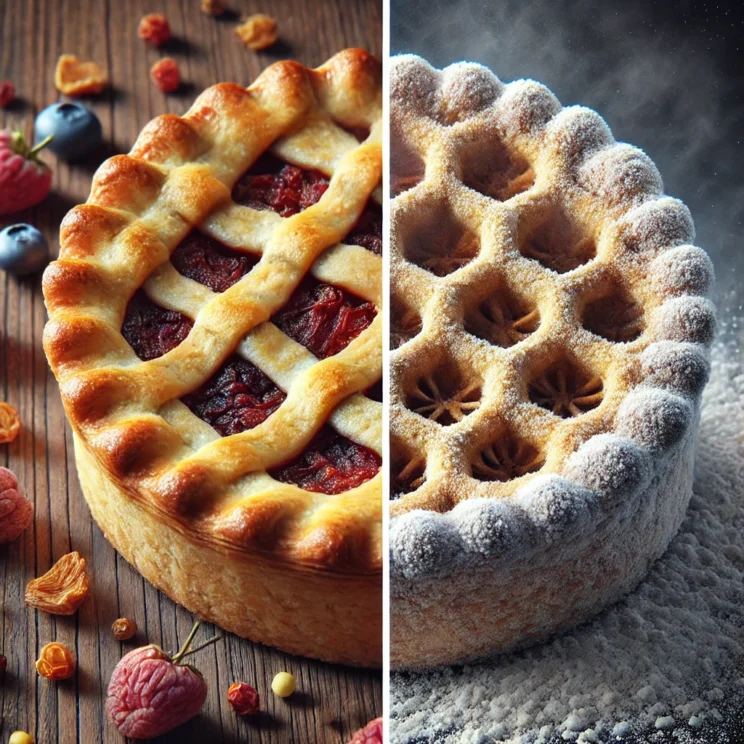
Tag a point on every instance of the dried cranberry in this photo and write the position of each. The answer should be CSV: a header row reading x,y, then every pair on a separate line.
x,y
210,262
330,464
368,230
236,398
152,330
272,184
323,318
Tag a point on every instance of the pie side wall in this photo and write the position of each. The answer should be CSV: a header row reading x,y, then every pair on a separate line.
x,y
472,613
309,613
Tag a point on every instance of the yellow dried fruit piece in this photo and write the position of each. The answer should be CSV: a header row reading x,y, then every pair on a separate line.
x,y
124,629
284,684
10,423
258,32
76,78
213,7
55,662
62,589
20,737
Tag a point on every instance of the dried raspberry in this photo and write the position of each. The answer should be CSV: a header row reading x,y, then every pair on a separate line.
x,y
370,734
166,75
16,512
155,29
243,698
7,93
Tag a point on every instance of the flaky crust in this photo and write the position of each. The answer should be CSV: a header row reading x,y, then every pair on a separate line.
x,y
588,272
127,414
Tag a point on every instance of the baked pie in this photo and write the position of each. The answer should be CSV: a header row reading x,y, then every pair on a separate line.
x,y
549,328
215,327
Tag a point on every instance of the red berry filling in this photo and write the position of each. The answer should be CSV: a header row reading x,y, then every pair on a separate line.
x,y
323,318
152,330
210,262
331,464
272,184
368,230
236,398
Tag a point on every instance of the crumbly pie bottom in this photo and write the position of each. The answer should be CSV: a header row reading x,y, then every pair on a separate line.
x,y
326,615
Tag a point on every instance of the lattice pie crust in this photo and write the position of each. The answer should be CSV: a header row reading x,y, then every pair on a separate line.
x,y
204,517
550,337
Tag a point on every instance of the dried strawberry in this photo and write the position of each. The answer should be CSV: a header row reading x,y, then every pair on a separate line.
x,y
16,512
370,734
7,93
166,75
243,698
151,693
24,179
155,29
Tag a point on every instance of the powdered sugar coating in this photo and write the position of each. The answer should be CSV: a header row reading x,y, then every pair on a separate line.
x,y
539,201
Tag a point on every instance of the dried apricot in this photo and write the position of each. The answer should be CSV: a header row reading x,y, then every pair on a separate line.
x,y
62,589
10,423
55,662
76,78
258,32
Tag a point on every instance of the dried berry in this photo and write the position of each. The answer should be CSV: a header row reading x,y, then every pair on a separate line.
x,y
243,698
283,684
258,32
62,589
55,662
154,28
151,693
3,667
16,511
20,737
75,78
370,734
123,629
166,75
10,423
213,7
7,93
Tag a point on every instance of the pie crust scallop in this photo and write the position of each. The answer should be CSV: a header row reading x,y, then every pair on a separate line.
x,y
460,542
126,413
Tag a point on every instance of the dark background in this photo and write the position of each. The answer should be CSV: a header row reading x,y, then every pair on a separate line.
x,y
667,76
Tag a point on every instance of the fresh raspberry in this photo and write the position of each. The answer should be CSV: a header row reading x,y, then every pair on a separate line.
x,y
165,75
24,179
7,93
370,734
155,29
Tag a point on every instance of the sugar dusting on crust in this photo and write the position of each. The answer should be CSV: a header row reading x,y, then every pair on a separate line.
x,y
671,652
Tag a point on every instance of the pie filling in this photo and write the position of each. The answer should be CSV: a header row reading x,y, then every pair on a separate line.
x,y
330,464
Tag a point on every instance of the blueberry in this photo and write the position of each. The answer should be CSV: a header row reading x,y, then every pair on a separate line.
x,y
76,129
23,250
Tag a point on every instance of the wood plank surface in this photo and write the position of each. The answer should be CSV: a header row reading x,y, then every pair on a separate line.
x,y
332,701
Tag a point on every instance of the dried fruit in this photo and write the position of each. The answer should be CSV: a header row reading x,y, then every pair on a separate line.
x,y
7,93
213,7
151,693
370,734
55,662
258,32
243,698
166,75
16,512
20,737
123,629
3,667
155,29
284,684
62,589
10,423
75,78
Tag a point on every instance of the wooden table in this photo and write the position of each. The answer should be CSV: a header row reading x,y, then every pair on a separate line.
x,y
332,701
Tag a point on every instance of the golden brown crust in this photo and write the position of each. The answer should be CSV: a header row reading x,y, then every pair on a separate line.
x,y
179,175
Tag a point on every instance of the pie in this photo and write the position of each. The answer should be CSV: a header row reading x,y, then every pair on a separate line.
x,y
550,333
215,328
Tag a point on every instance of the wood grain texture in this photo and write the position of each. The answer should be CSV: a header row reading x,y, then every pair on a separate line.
x,y
331,701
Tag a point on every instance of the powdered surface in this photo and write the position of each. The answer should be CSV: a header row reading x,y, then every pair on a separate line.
x,y
666,664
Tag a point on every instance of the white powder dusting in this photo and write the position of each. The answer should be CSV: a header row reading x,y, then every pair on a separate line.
x,y
669,658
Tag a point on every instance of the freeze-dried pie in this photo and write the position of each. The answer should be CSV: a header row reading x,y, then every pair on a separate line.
x,y
550,333
215,328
